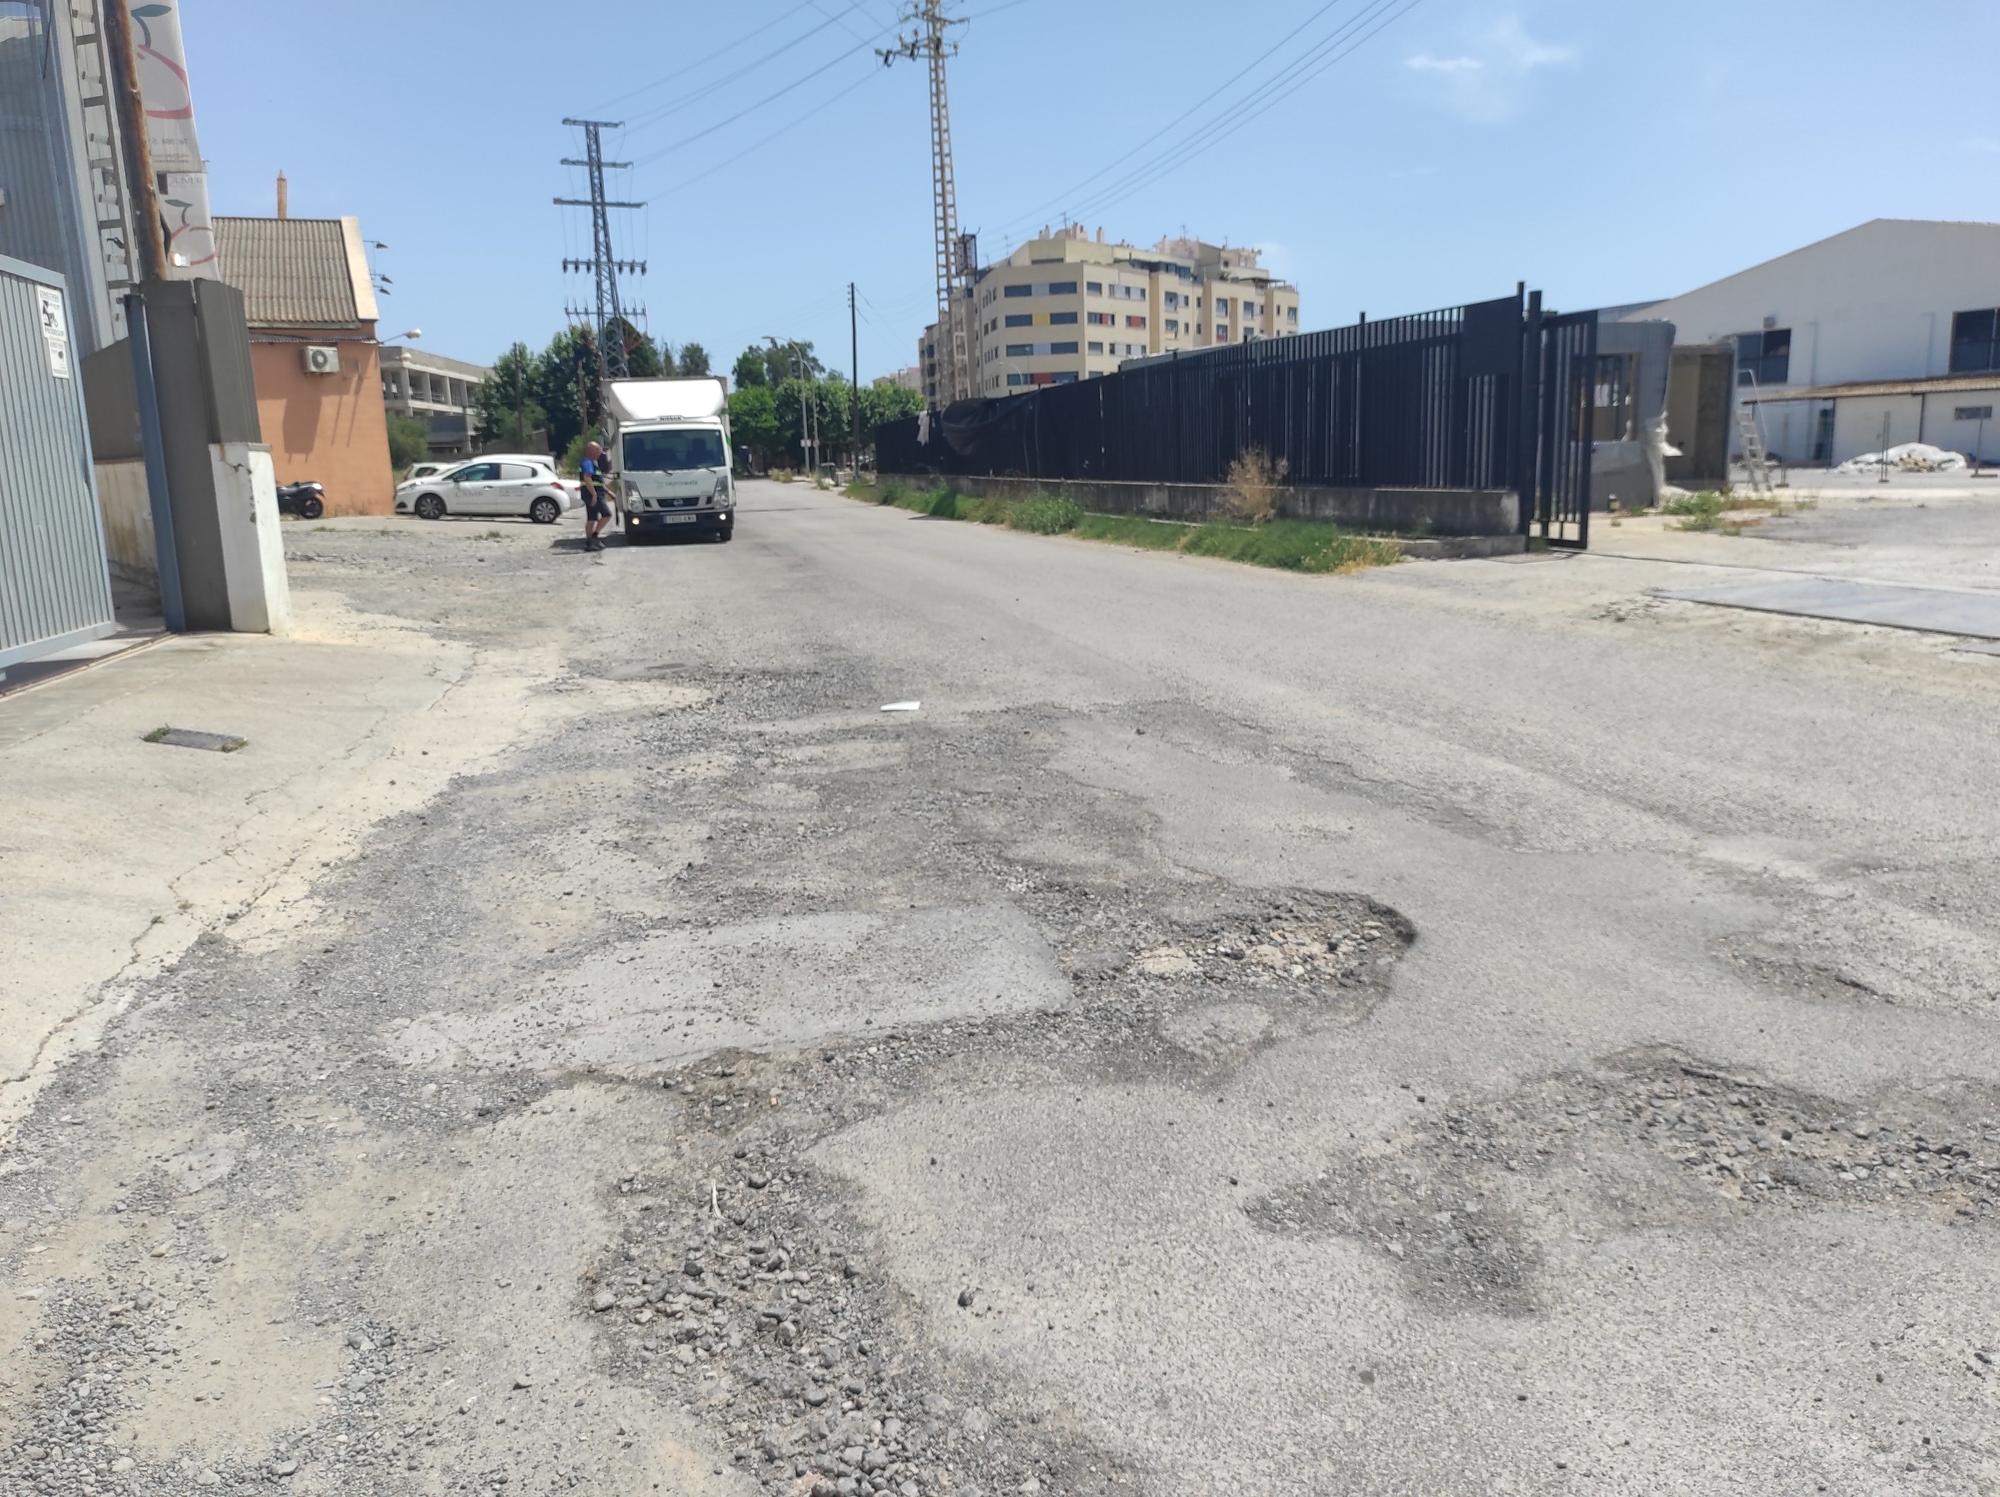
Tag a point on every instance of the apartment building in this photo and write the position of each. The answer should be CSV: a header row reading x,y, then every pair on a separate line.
x,y
1066,307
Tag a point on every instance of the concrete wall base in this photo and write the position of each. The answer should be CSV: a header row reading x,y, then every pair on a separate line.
x,y
253,552
128,522
1440,512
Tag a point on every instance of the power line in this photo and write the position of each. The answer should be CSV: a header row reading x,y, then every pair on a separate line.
x,y
654,116
757,145
704,60
1199,104
796,83
1265,96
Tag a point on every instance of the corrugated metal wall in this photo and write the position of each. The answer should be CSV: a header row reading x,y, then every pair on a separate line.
x,y
45,169
55,589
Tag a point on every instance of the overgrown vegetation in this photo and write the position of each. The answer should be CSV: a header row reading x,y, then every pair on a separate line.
x,y
1251,487
409,442
1710,510
1291,545
1701,511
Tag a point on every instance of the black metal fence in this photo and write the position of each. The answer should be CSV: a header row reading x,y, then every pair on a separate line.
x,y
1452,399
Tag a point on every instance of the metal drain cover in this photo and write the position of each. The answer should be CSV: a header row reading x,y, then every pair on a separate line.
x,y
215,743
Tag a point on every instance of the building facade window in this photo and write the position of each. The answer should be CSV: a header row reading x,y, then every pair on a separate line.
x,y
1975,341
1020,319
1103,319
1222,306
1062,348
1174,326
1062,288
1097,348
1062,318
1019,350
1096,288
1066,377
1020,291
1765,357
1135,322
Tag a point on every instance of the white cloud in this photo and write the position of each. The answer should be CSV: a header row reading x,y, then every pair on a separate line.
x,y
1423,62
1487,82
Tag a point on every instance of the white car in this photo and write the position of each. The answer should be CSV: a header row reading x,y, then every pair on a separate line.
x,y
489,486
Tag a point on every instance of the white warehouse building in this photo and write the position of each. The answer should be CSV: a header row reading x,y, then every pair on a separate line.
x,y
1884,334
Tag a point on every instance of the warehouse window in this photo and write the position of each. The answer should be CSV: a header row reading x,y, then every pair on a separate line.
x,y
1975,341
1765,357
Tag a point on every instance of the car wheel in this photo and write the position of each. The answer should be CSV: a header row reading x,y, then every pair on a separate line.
x,y
429,507
545,511
311,507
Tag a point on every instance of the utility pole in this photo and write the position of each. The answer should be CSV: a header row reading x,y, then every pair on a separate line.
x,y
121,63
602,264
928,42
854,390
145,187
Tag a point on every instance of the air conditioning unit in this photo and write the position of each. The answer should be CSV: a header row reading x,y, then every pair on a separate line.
x,y
321,358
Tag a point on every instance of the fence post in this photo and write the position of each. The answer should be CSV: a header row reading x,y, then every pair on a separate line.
x,y
1528,403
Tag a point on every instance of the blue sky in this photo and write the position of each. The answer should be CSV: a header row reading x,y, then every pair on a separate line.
x,y
1601,150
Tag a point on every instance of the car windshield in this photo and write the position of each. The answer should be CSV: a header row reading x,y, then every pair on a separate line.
x,y
673,451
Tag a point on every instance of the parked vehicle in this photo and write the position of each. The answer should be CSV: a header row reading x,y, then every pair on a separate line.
x,y
420,471
306,500
669,449
488,486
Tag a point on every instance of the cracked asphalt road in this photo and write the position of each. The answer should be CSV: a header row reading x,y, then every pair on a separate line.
x,y
1465,1028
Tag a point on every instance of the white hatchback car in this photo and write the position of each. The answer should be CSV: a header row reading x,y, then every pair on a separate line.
x,y
488,486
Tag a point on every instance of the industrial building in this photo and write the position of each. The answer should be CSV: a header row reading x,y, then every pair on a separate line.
x,y
1884,334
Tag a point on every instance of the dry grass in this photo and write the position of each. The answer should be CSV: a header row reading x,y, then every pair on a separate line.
x,y
1251,489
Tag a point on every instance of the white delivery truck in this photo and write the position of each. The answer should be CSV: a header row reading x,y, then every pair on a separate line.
x,y
669,450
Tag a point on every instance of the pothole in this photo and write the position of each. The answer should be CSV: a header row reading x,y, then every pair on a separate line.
x,y
756,1302
1652,1139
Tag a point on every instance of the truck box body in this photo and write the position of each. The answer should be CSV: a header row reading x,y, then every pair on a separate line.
x,y
669,446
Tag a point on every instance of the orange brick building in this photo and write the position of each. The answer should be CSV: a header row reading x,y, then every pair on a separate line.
x,y
312,312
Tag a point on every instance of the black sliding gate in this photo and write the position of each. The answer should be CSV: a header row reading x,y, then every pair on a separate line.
x,y
1555,487
1488,396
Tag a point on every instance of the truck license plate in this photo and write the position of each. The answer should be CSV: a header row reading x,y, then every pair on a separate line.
x,y
677,519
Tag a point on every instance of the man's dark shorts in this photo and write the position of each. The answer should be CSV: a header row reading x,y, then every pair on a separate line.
x,y
596,509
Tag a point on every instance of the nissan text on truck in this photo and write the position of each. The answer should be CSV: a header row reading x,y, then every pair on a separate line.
x,y
669,446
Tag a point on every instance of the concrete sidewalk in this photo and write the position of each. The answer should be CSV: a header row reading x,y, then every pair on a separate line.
x,y
124,851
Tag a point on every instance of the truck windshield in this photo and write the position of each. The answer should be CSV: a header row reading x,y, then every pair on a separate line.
x,y
672,451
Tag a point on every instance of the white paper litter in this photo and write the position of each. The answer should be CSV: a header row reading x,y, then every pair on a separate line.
x,y
903,707
1910,457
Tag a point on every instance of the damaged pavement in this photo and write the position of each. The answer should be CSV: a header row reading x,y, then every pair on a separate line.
x,y
1160,1064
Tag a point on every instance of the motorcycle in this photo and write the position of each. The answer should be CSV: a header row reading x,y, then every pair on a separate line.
x,y
306,500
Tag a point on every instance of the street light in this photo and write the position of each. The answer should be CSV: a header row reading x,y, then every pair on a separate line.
x,y
413,334
805,423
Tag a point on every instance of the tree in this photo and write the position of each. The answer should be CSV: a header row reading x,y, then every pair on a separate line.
x,y
884,403
565,386
753,423
409,442
694,359
773,364
508,413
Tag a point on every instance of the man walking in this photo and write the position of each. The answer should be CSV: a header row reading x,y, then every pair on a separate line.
x,y
596,496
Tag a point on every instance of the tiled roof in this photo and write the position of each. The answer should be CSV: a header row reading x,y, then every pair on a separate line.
x,y
293,272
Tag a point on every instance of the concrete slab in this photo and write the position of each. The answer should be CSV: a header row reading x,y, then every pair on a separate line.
x,y
1933,610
